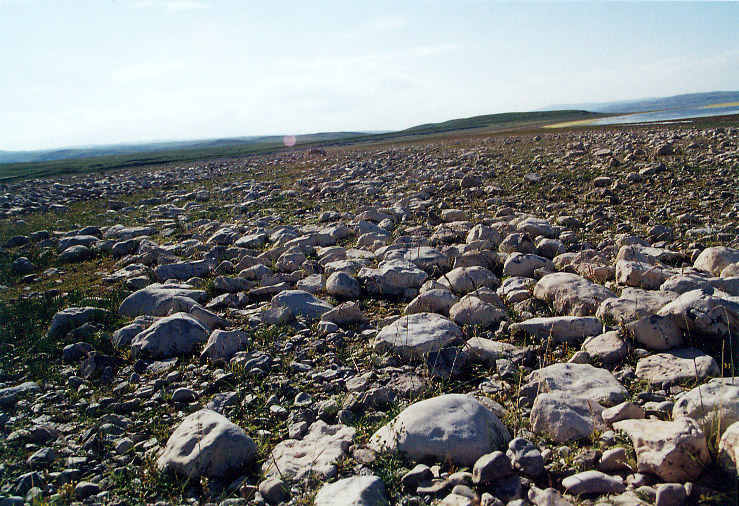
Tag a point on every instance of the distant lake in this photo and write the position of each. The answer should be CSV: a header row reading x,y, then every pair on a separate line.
x,y
669,115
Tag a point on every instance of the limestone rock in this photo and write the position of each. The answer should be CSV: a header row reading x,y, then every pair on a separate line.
x,y
160,300
704,311
657,332
633,304
72,318
471,310
222,345
714,405
562,417
172,336
291,304
317,453
562,329
675,451
432,301
453,426
207,444
417,334
354,491
392,277
593,482
579,380
463,280
571,294
676,365
715,258
728,447
607,347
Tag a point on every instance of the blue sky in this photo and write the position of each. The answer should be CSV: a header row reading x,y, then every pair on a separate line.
x,y
79,72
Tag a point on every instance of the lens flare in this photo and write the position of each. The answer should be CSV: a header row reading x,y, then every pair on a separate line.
x,y
289,140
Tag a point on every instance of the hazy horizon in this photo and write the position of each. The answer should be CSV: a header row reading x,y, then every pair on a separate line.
x,y
111,72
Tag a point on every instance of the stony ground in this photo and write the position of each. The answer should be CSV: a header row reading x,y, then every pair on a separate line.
x,y
544,319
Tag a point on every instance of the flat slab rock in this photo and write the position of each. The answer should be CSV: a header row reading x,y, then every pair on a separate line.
x,y
676,365
453,427
675,451
571,294
580,380
207,444
354,491
417,334
318,453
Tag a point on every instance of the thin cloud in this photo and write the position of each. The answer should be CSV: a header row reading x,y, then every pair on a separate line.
x,y
172,6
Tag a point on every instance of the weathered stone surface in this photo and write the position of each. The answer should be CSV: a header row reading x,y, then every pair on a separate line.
x,y
715,258
571,294
714,405
392,277
562,329
728,447
10,395
607,347
633,304
593,482
453,426
172,336
562,417
183,271
340,284
486,350
491,467
471,310
346,313
318,453
160,300
676,365
463,280
222,345
71,318
675,451
657,332
432,301
580,380
640,275
290,304
705,311
524,265
207,444
414,335
354,491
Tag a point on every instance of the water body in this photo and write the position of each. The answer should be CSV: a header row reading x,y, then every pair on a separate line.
x,y
668,115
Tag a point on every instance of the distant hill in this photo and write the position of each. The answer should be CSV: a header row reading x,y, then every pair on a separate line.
x,y
688,101
156,147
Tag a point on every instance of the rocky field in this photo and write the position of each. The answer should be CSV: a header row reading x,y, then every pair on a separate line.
x,y
543,318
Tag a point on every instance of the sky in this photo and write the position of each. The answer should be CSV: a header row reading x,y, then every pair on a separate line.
x,y
85,72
